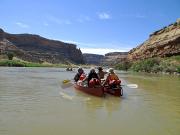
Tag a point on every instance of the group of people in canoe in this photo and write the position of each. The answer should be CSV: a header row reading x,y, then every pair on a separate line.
x,y
69,69
97,79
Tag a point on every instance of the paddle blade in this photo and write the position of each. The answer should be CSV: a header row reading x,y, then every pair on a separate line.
x,y
65,81
66,84
134,86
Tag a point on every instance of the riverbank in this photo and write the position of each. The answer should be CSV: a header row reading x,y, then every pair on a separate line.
x,y
21,63
168,65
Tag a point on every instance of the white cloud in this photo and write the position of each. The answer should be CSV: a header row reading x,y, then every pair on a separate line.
x,y
22,25
57,20
104,16
102,51
93,49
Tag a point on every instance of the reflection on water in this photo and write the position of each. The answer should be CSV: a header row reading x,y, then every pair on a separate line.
x,y
33,101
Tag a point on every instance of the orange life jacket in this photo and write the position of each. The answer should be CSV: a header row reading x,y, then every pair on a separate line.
x,y
112,77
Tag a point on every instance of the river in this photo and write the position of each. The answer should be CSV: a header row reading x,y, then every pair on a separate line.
x,y
33,102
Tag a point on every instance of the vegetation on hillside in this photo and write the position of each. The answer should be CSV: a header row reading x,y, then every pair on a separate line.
x,y
153,65
20,63
10,55
125,65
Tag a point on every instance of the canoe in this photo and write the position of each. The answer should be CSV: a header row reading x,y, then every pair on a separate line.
x,y
69,69
97,91
115,91
100,91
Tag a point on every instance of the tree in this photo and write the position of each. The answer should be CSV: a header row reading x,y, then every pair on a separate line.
x,y
10,55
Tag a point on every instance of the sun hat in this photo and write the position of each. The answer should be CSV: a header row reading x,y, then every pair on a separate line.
x,y
100,68
110,70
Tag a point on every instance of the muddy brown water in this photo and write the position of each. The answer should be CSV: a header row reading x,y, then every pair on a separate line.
x,y
33,102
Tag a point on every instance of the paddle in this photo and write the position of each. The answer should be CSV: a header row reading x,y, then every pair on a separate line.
x,y
133,86
69,83
66,83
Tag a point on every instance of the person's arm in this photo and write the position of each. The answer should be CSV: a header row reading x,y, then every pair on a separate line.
x,y
76,77
106,81
105,72
85,79
117,77
97,76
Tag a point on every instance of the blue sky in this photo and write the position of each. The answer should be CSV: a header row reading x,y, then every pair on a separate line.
x,y
96,26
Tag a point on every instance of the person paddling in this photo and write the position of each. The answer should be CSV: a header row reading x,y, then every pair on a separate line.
x,y
101,73
79,74
92,78
112,80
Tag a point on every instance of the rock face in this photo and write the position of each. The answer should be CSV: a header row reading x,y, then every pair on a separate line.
x,y
6,46
109,59
93,58
1,34
162,43
114,58
39,49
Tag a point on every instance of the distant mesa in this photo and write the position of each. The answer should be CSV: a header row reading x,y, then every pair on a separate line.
x,y
116,53
114,58
93,58
107,59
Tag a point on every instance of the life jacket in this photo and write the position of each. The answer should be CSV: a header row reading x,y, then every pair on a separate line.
x,y
82,76
112,77
93,82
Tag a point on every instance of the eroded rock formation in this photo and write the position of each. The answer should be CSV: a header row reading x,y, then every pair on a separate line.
x,y
162,43
38,49
114,58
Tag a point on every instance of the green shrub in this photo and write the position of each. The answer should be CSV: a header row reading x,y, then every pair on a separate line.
x,y
178,69
157,68
18,63
123,66
136,67
10,55
148,65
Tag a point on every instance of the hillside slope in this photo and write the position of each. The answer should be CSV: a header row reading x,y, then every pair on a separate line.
x,y
162,43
